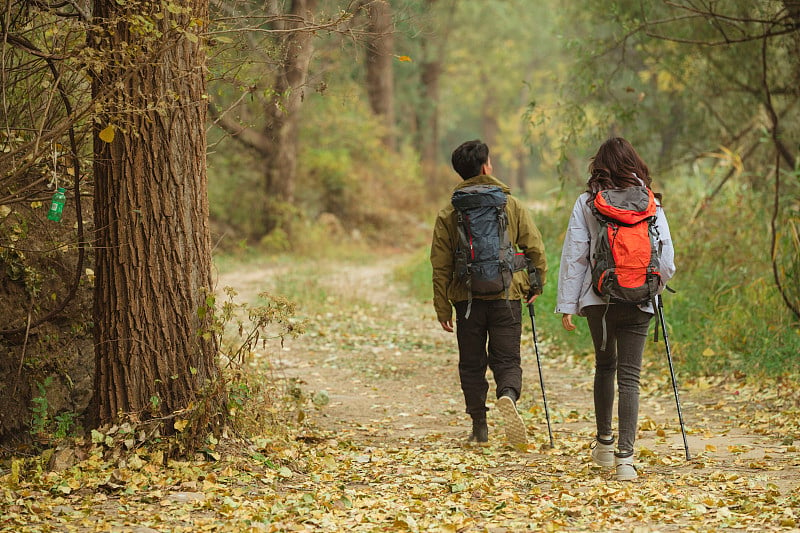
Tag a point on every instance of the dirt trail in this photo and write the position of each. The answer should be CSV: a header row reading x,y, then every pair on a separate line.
x,y
390,374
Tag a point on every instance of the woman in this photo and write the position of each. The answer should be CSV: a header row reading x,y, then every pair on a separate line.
x,y
619,330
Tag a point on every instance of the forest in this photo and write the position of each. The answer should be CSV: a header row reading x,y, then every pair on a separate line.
x,y
249,192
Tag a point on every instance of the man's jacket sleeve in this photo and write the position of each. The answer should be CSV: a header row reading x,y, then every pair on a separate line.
x,y
529,240
442,265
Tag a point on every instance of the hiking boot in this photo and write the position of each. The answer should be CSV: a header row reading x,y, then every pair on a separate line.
x,y
515,427
603,452
626,471
480,432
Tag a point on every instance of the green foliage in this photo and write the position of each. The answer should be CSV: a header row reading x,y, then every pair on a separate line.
x,y
40,418
44,426
503,56
346,171
727,313
64,424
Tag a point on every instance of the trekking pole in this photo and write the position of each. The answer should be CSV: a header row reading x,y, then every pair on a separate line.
x,y
672,373
541,377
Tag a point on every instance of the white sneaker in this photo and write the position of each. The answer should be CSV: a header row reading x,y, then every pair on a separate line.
x,y
626,471
603,453
515,427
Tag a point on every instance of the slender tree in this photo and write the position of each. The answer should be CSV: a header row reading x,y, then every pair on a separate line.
x,y
275,138
380,73
153,256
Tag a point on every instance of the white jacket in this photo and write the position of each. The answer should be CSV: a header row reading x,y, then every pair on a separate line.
x,y
575,275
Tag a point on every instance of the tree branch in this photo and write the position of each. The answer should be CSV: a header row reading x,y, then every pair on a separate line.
x,y
243,134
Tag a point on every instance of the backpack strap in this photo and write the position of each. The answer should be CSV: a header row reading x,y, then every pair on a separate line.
x,y
463,238
655,310
605,329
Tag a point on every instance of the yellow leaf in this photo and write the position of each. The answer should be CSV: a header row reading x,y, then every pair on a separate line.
x,y
107,135
404,58
181,424
708,352
711,448
36,205
16,467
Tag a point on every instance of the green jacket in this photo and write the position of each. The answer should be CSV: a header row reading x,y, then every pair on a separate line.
x,y
522,232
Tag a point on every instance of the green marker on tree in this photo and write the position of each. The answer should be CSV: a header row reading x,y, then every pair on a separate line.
x,y
57,205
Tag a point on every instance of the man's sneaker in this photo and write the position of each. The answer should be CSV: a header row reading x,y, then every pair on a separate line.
x,y
626,471
603,452
480,432
515,427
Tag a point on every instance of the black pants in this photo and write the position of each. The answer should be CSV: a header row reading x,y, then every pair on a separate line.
x,y
626,334
499,322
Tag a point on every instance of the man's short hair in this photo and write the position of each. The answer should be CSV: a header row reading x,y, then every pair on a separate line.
x,y
468,158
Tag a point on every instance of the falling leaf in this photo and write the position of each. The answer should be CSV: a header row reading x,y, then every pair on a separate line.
x,y
107,135
403,58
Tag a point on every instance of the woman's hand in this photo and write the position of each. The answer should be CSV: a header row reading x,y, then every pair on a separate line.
x,y
566,321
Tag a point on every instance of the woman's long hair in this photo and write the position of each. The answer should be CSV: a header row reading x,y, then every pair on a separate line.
x,y
617,165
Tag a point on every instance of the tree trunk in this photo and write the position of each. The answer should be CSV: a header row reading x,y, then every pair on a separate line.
x,y
282,114
427,116
380,74
153,254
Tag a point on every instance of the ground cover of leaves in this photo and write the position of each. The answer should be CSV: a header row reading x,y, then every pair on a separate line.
x,y
377,443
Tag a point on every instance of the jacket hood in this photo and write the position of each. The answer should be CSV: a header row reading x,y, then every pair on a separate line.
x,y
484,179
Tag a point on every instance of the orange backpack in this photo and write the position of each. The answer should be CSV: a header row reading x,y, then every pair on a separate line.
x,y
626,257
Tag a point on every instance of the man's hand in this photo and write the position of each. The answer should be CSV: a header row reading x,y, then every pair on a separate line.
x,y
566,321
447,325
531,298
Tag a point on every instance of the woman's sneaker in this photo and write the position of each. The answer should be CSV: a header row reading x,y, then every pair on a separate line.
x,y
626,471
603,452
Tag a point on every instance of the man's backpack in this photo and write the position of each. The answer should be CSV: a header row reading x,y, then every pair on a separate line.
x,y
485,258
625,262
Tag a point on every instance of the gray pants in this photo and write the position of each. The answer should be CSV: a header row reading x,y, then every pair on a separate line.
x,y
626,334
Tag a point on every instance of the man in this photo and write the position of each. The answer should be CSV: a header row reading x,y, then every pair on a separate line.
x,y
496,318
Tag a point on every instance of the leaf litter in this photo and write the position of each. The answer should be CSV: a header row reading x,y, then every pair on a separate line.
x,y
381,446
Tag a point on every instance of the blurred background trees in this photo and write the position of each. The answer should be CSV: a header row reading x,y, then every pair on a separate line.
x,y
330,124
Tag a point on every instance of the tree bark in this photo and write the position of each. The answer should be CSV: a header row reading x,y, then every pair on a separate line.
x,y
380,73
153,253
